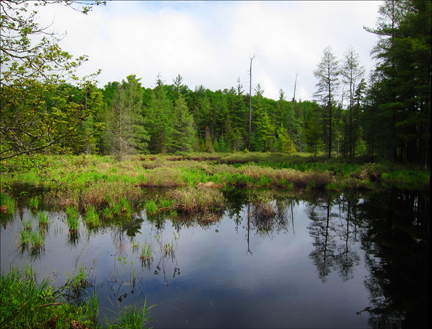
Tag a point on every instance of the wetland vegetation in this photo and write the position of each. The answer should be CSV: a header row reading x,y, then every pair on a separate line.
x,y
107,192
98,193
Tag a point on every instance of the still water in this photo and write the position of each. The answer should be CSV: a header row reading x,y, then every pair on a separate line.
x,y
309,261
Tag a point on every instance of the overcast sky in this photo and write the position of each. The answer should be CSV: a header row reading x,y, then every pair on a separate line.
x,y
210,43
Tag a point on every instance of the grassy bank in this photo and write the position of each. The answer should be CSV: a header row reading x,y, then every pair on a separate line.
x,y
99,175
25,303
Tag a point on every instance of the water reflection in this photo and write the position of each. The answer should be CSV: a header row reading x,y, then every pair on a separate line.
x,y
278,259
398,262
335,234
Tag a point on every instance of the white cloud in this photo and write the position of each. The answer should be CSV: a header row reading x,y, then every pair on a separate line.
x,y
209,43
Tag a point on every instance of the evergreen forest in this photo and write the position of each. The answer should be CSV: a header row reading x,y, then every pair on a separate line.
x,y
46,108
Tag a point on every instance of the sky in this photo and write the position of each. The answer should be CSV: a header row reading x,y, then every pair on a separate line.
x,y
210,43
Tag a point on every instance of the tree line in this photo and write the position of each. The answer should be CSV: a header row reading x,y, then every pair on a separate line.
x,y
46,108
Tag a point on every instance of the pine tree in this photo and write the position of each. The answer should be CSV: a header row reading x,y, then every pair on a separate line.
x,y
183,133
126,133
327,74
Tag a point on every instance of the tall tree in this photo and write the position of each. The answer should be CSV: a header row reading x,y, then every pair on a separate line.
x,y
126,133
160,119
351,72
402,89
183,133
36,110
327,74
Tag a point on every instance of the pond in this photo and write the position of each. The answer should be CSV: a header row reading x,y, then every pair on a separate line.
x,y
357,260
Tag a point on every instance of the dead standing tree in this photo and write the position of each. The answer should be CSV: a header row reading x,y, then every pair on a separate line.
x,y
250,100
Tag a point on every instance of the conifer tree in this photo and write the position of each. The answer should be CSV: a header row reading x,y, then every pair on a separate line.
x,y
327,74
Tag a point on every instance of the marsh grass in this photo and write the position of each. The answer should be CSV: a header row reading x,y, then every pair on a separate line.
x,y
26,302
192,200
24,238
37,240
72,219
146,253
27,225
92,217
150,207
43,219
34,203
132,316
78,280
7,204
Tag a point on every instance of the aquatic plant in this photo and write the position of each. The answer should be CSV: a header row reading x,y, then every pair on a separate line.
x,y
78,280
43,218
135,244
193,200
25,238
27,225
126,208
168,247
150,206
146,252
91,307
36,239
34,203
92,217
107,213
132,316
72,219
7,204
26,302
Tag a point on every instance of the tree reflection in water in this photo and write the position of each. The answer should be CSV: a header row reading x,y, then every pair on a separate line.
x,y
393,228
394,234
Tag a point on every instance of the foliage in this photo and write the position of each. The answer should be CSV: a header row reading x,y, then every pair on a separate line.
x,y
39,108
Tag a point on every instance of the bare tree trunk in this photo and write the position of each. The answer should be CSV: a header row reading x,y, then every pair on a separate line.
x,y
250,101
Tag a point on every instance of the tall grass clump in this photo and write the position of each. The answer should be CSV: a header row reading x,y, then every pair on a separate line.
x,y
132,316
24,238
193,200
72,219
92,217
126,207
150,207
78,280
37,240
7,204
146,252
43,219
26,302
27,225
34,203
